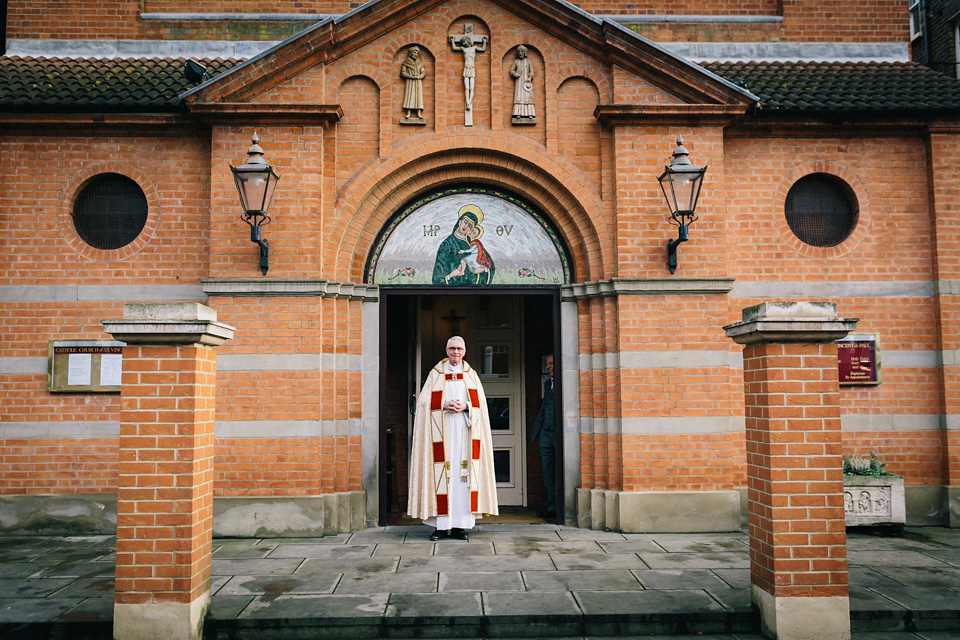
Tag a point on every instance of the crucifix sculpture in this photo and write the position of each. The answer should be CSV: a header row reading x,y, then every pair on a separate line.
x,y
469,45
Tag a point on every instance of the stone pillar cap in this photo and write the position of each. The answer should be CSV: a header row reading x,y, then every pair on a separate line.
x,y
806,322
179,323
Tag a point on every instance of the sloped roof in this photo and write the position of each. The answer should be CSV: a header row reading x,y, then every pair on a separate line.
x,y
57,85
844,88
80,85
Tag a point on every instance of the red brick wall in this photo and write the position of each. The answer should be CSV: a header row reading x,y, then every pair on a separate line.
x,y
803,20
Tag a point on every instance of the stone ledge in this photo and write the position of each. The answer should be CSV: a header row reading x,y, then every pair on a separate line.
x,y
658,511
234,517
289,517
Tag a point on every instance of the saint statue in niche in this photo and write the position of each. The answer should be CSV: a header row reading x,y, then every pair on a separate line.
x,y
461,258
522,72
413,73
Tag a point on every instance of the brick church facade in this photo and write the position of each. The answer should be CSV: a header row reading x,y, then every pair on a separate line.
x,y
832,176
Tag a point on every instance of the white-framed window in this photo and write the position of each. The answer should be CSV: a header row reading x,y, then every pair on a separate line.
x,y
916,19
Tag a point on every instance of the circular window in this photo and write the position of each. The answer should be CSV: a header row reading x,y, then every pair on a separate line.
x,y
110,211
821,210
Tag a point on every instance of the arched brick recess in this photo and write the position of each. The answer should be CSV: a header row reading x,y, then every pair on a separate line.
x,y
560,189
68,197
579,132
863,218
339,75
594,74
354,145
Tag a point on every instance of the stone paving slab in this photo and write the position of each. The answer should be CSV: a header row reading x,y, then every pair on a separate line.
x,y
464,549
32,609
606,580
12,569
476,563
368,565
921,598
870,577
600,561
76,569
256,566
736,578
646,602
706,560
318,607
529,547
434,605
481,581
631,546
732,599
90,610
368,583
892,559
322,551
557,603
679,579
32,587
942,576
863,599
273,586
398,549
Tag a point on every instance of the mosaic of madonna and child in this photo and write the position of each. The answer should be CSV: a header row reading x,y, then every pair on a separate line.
x,y
468,239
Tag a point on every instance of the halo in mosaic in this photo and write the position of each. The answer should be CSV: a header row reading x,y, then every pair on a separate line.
x,y
468,237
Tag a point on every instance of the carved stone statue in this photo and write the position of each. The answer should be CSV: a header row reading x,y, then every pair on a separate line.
x,y
413,73
469,45
522,72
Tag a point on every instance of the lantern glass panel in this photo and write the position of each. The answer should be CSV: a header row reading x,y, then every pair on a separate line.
x,y
256,188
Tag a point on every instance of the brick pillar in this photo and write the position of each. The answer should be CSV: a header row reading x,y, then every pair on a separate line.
x,y
798,556
944,174
165,492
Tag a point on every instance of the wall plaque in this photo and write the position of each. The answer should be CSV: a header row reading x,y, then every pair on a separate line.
x,y
858,358
84,366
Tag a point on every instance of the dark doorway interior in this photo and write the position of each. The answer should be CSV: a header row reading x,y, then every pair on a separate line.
x,y
399,387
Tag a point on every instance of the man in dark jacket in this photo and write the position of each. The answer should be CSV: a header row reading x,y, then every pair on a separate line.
x,y
543,426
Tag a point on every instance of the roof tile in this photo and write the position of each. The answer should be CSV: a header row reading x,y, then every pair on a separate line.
x,y
30,84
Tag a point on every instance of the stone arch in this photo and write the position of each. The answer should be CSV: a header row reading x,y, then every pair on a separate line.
x,y
68,197
563,193
864,216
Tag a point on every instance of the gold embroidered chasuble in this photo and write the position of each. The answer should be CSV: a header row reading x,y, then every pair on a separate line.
x,y
433,466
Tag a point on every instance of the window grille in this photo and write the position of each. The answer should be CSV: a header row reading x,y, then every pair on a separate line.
x,y
821,210
110,211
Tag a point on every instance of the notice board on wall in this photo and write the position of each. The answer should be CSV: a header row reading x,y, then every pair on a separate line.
x,y
84,366
858,359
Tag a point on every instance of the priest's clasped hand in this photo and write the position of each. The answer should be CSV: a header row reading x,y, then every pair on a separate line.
x,y
454,406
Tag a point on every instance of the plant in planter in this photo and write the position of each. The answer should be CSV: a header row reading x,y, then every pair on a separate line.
x,y
871,495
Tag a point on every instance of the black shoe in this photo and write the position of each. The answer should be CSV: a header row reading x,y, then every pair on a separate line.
x,y
439,535
459,534
548,514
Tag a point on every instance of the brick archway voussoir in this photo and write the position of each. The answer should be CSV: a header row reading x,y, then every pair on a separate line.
x,y
557,186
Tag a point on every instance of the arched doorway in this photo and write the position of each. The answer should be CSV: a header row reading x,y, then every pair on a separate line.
x,y
502,294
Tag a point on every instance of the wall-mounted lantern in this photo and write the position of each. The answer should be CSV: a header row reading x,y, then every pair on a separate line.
x,y
681,182
256,182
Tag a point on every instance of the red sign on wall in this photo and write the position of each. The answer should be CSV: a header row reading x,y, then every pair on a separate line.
x,y
858,360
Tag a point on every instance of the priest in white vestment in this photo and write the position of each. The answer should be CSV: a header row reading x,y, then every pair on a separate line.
x,y
452,483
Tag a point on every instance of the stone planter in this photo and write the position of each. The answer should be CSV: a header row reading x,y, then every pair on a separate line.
x,y
873,500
